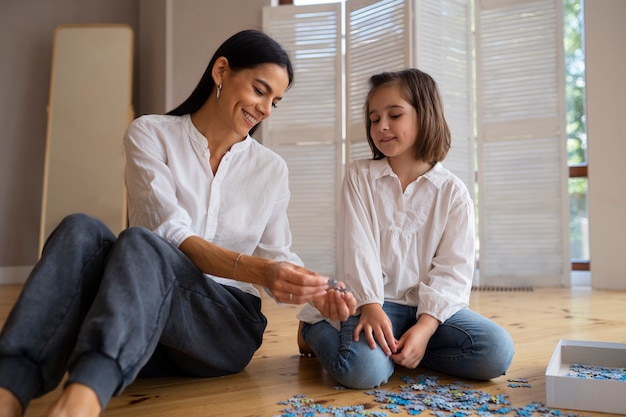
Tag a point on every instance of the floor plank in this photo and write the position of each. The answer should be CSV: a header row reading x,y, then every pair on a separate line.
x,y
536,319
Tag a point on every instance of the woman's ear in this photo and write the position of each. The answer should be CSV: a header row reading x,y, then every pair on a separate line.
x,y
219,70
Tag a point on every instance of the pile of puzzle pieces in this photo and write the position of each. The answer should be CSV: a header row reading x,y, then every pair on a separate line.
x,y
596,372
423,394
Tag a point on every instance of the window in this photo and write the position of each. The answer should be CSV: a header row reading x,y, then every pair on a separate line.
x,y
576,133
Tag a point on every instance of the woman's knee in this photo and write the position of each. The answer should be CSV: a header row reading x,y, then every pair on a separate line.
x,y
81,221
140,254
141,242
142,239
80,231
137,234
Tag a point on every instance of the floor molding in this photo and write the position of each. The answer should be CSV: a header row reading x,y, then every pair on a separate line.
x,y
14,274
498,288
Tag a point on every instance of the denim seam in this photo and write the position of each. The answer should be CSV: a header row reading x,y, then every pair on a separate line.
x,y
153,332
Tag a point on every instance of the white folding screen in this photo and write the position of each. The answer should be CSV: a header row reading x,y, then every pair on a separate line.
x,y
522,160
378,38
443,49
306,128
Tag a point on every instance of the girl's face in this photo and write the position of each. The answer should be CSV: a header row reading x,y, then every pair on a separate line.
x,y
249,95
394,122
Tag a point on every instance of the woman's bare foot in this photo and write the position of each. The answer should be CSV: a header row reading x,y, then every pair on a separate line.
x,y
77,400
302,345
9,404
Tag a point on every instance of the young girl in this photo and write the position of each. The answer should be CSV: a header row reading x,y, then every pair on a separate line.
x,y
408,234
173,294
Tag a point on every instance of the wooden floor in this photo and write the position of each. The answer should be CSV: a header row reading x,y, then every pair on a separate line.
x,y
536,320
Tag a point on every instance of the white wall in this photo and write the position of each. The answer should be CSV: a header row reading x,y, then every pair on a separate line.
x,y
606,108
26,37
178,39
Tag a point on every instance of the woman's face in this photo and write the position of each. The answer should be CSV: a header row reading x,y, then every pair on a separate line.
x,y
394,122
249,95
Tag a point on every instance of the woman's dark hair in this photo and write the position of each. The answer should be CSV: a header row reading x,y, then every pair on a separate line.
x,y
419,89
243,50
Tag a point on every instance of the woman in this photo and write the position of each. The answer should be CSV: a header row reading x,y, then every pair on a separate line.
x,y
174,294
408,234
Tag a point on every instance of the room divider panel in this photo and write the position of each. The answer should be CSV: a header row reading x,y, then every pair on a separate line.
x,y
88,112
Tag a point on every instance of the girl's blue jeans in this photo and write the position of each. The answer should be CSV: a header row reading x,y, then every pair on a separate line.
x,y
467,345
110,309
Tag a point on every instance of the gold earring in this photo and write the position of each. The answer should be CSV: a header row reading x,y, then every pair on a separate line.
x,y
219,90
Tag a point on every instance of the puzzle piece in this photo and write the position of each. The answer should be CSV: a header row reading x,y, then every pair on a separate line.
x,y
334,285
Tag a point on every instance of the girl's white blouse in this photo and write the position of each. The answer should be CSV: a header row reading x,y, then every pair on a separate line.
x,y
414,248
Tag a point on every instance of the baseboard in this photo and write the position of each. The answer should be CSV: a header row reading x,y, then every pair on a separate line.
x,y
14,274
578,279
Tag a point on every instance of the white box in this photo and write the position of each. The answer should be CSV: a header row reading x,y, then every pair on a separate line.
x,y
573,393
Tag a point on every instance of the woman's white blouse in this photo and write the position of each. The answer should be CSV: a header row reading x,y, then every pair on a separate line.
x,y
173,192
414,248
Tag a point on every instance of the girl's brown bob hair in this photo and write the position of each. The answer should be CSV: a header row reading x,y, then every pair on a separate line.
x,y
419,89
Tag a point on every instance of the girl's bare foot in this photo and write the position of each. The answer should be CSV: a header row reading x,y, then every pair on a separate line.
x,y
77,400
9,404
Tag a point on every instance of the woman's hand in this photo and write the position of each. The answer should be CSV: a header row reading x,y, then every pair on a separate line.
x,y
336,304
376,326
288,283
412,345
294,284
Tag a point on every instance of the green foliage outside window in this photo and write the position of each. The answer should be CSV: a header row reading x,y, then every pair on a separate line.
x,y
575,82
576,130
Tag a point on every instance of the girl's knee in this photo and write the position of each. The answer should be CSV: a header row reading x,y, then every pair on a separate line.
x,y
367,381
504,352
498,357
368,376
368,368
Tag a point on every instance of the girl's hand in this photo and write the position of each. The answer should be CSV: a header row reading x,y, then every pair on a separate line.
x,y
376,326
336,304
412,345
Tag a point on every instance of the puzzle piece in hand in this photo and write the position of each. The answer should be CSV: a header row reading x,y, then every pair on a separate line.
x,y
334,285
